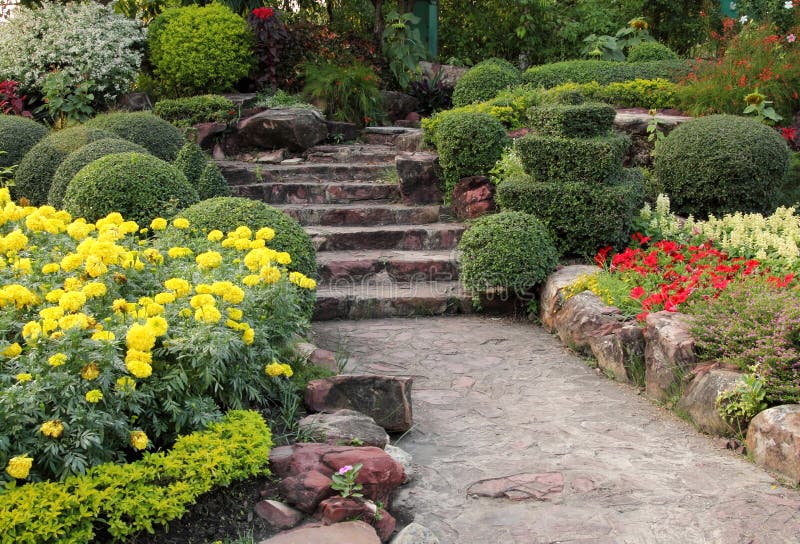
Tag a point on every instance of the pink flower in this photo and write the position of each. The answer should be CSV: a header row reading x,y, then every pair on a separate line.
x,y
345,469
791,38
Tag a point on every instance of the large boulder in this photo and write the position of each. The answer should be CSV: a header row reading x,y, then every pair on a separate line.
x,y
473,197
343,427
773,440
584,316
669,353
449,74
278,514
386,399
414,533
620,352
699,400
294,128
398,105
551,298
420,178
306,490
349,532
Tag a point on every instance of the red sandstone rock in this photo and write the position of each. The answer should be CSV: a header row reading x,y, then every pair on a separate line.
x,y
473,197
306,490
351,532
337,509
773,439
277,514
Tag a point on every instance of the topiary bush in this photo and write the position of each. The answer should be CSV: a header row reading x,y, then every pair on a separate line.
x,y
197,50
509,250
138,186
212,183
469,144
651,51
581,216
603,72
573,120
647,93
483,82
154,134
35,173
559,159
17,135
722,164
76,160
227,213
185,112
192,161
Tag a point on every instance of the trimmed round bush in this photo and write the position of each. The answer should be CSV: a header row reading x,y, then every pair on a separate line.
x,y
509,250
36,170
153,133
649,51
556,158
603,72
212,183
138,186
227,213
17,135
192,161
722,164
76,160
469,144
483,82
502,63
197,50
573,120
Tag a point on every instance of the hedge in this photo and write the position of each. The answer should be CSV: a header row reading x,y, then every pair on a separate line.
x,y
573,120
603,72
558,159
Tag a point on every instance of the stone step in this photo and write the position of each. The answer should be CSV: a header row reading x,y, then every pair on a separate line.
x,y
368,301
318,193
407,237
359,153
337,268
244,173
361,214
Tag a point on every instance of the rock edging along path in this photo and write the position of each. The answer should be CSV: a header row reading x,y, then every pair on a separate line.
x,y
591,460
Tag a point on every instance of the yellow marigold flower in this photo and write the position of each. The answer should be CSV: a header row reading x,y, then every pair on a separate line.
x,y
139,369
104,336
180,223
120,305
154,309
204,299
248,336
158,325
215,235
79,229
24,377
252,280
57,360
208,260
275,369
228,242
235,313
20,295
14,241
129,227
257,244
270,274
234,295
54,295
180,286
94,266
51,268
203,289
94,396
126,384
153,255
23,266
283,258
49,325
13,350
73,284
287,370
164,298
72,301
241,244
5,195
186,312
140,337
141,356
242,231
265,233
207,314
94,289
179,252
90,372
139,440
71,262
159,223
53,428
231,324
220,287
51,312
112,219
31,331
19,467
70,321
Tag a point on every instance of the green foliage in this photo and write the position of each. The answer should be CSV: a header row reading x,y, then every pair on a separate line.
x,y
212,183
483,82
508,166
227,213
509,250
200,49
789,191
403,46
124,500
614,47
76,160
192,161
281,99
66,102
17,135
559,159
722,164
348,93
603,72
739,405
679,24
573,121
344,481
581,216
469,144
651,51
772,11
140,187
153,133
192,110
35,173
648,93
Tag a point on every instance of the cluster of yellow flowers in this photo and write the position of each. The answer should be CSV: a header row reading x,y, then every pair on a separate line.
x,y
587,282
276,369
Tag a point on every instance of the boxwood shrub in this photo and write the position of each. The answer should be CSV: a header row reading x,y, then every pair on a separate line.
x,y
581,216
558,159
76,160
212,183
573,120
192,161
191,110
722,164
646,93
650,51
509,250
153,133
17,135
140,187
603,72
483,82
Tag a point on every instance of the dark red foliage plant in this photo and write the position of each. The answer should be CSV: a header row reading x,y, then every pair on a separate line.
x,y
11,103
271,40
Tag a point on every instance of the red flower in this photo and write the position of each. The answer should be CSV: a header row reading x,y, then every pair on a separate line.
x,y
637,292
601,256
642,240
264,13
789,133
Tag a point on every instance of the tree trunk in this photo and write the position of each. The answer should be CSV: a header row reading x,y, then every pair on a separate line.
x,y
329,9
377,28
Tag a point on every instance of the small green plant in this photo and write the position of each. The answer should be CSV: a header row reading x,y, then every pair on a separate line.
x,y
761,108
613,47
655,132
6,173
739,405
403,46
344,481
281,99
64,104
346,93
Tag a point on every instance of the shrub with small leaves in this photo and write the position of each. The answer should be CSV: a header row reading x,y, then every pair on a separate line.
x,y
651,51
192,110
17,135
212,183
191,160
153,133
483,82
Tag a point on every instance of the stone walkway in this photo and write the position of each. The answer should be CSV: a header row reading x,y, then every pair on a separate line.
x,y
495,398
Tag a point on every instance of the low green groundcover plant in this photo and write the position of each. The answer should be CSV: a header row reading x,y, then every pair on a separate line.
x,y
191,110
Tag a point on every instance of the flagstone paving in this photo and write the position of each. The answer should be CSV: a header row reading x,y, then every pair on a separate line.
x,y
594,461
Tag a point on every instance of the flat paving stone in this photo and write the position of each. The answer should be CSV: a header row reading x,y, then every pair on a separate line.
x,y
494,398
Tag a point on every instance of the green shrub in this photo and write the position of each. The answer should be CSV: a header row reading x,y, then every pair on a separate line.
x,y
581,216
483,82
212,183
192,161
508,250
650,51
573,121
17,135
201,49
124,500
559,159
138,186
35,173
184,112
648,93
154,134
76,160
603,72
722,164
789,191
502,63
469,144
347,93
227,213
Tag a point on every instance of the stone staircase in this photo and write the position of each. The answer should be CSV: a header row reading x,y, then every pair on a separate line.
x,y
376,257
